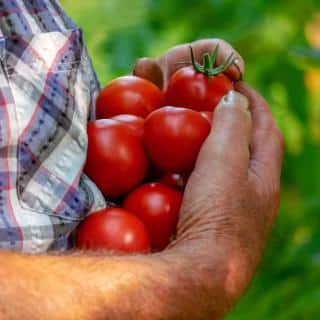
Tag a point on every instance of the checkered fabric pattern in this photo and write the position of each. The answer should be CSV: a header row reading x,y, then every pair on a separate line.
x,y
47,94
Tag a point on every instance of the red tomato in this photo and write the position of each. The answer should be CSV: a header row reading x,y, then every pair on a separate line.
x,y
174,180
116,160
129,95
134,122
208,115
173,138
157,206
113,229
190,89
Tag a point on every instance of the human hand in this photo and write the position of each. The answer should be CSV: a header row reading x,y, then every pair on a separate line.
x,y
232,196
248,129
159,70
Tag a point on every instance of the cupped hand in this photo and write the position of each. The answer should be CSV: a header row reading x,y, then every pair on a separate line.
x,y
232,196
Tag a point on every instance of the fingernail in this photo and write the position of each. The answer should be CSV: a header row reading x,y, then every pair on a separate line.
x,y
234,99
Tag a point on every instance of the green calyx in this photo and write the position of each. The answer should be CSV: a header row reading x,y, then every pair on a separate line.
x,y
208,67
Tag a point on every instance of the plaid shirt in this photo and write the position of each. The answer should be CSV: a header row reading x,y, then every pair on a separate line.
x,y
47,94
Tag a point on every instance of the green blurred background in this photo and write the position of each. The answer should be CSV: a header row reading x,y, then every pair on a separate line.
x,y
279,41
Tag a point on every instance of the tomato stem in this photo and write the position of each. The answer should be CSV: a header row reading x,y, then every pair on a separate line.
x,y
206,59
209,61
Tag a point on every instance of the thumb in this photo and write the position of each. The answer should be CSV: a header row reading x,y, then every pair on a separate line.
x,y
223,161
227,146
148,68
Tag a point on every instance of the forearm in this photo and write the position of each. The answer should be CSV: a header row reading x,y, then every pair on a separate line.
x,y
97,287
75,287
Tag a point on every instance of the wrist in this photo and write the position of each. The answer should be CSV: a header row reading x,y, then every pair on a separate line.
x,y
221,269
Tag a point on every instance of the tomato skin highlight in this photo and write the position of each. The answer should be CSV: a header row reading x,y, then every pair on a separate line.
x,y
116,159
134,122
175,180
128,95
113,229
157,206
173,138
208,115
190,89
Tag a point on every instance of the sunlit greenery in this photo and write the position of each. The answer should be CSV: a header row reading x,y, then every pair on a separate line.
x,y
279,41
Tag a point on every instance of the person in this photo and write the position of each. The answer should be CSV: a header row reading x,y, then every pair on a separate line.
x,y
47,94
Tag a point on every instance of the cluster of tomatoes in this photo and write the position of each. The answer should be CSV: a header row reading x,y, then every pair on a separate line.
x,y
141,151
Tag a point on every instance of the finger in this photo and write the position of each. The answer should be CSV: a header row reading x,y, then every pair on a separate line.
x,y
267,141
149,68
169,61
228,143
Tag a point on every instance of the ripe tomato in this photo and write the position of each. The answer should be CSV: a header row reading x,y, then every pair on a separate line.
x,y
173,138
157,206
134,122
208,115
113,229
116,160
128,95
188,88
175,180
199,87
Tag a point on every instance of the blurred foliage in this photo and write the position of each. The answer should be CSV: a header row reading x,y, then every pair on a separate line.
x,y
280,42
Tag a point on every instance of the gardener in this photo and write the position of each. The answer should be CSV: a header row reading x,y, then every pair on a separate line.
x,y
47,93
